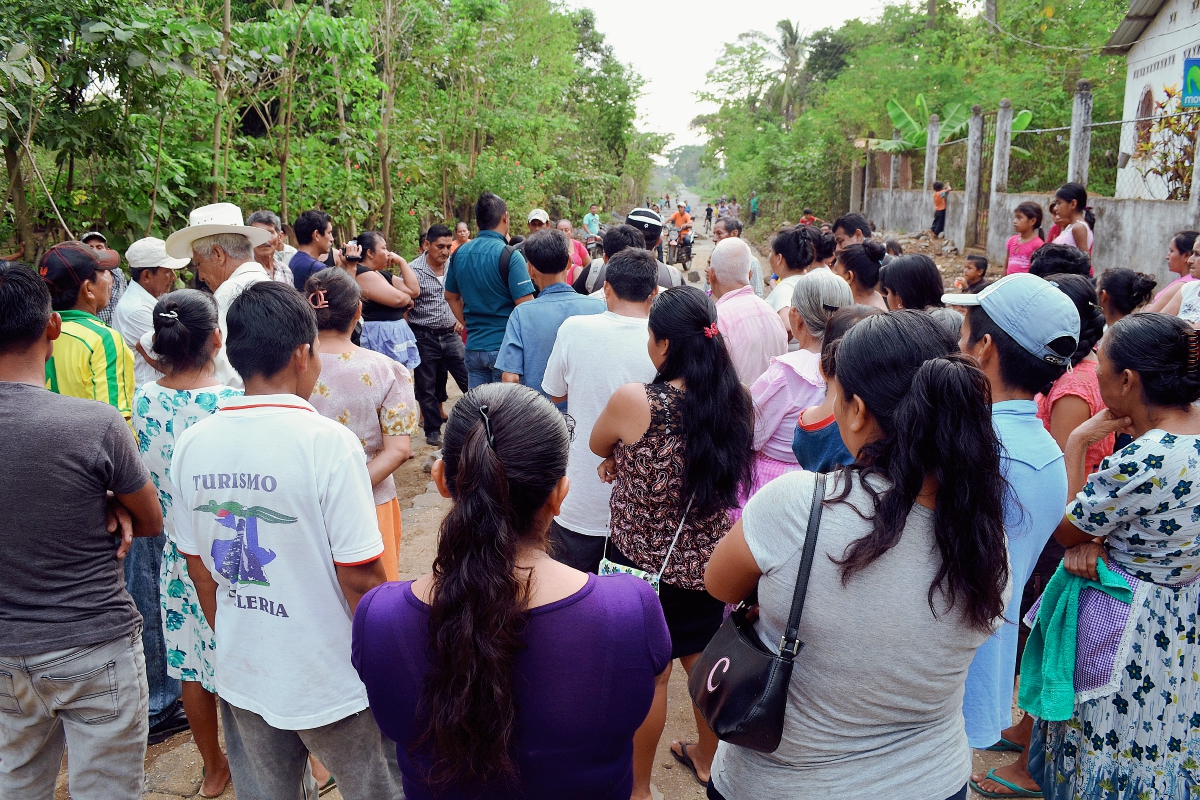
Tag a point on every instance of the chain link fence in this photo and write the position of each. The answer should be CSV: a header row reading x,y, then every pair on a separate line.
x,y
1150,157
1038,160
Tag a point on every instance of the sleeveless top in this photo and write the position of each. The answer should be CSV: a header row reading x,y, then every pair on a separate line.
x,y
1067,237
1079,382
647,498
378,312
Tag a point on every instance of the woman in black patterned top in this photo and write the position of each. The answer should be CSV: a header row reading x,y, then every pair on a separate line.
x,y
677,449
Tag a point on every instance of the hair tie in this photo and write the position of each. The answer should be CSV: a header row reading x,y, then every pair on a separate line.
x,y
830,308
1192,338
168,314
487,426
711,331
320,302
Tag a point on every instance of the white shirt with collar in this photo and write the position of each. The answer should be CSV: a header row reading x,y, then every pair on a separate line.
x,y
247,274
133,318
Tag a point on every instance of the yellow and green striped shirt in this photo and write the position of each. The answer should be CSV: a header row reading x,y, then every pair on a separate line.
x,y
92,361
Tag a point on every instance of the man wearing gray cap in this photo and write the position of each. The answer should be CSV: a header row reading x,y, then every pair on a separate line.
x,y
153,274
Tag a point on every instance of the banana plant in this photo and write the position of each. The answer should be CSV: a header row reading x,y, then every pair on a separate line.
x,y
954,119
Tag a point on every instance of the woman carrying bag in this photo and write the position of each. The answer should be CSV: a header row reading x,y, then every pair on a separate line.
x,y
909,575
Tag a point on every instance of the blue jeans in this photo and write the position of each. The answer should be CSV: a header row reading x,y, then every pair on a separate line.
x,y
481,367
141,581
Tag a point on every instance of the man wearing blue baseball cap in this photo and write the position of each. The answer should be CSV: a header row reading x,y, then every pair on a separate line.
x,y
1022,330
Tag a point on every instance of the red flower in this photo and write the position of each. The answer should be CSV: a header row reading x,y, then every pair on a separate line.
x,y
412,212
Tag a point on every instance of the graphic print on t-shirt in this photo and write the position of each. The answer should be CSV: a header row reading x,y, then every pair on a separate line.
x,y
241,559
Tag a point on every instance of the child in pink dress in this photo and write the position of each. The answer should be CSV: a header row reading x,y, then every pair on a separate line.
x,y
1027,222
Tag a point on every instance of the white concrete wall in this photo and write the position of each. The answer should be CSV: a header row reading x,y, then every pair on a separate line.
x,y
911,211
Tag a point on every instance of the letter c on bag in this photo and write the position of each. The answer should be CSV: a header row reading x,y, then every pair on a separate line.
x,y
713,672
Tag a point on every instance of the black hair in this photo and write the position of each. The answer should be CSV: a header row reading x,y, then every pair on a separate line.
x,y
309,223
1165,353
334,296
618,237
24,306
633,274
66,299
864,260
135,275
436,232
1059,259
1019,368
825,246
184,321
266,323
1127,289
500,470
841,321
796,245
733,225
717,413
1185,240
893,247
1082,293
548,251
980,262
851,223
934,408
938,186
808,211
489,210
369,241
1076,191
1032,211
916,280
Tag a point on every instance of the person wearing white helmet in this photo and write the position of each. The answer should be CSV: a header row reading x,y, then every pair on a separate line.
x,y
152,274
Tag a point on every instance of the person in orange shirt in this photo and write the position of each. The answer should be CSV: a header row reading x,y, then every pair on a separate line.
x,y
682,220
940,190
462,235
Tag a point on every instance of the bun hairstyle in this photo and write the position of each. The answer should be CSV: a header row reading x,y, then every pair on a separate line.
x,y
826,246
796,246
183,324
841,321
1127,289
933,405
864,260
817,296
1076,191
1165,353
915,279
718,414
504,451
1034,212
1091,319
335,297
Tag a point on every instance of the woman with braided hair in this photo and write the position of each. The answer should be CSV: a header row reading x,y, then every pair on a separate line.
x,y
1135,728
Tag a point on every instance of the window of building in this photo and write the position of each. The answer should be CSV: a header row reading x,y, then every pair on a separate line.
x,y
1145,110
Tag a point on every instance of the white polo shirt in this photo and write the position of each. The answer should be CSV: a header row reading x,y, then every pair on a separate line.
x,y
249,273
271,496
133,318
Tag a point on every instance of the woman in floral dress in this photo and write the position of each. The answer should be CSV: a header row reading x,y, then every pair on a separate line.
x,y
186,339
1135,732
367,392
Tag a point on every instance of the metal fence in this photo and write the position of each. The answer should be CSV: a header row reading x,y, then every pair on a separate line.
x,y
1149,157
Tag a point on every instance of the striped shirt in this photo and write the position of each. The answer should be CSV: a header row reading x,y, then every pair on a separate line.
x,y
430,309
91,361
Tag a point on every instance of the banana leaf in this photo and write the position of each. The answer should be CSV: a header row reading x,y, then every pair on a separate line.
x,y
891,145
954,118
910,131
1022,119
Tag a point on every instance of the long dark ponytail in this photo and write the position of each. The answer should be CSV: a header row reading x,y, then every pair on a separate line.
x,y
500,469
718,414
934,407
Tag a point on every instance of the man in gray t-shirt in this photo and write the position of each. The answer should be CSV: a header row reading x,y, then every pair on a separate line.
x,y
72,670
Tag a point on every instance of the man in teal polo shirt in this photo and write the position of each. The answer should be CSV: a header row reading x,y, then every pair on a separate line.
x,y
479,293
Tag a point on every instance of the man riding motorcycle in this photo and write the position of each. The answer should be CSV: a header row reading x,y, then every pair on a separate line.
x,y
682,220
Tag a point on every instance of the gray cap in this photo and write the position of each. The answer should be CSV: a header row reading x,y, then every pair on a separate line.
x,y
1033,311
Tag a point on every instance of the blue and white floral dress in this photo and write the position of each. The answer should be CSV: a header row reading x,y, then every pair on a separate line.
x,y
1135,732
159,416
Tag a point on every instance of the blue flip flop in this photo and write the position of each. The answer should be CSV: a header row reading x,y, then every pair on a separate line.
x,y
1017,791
1005,746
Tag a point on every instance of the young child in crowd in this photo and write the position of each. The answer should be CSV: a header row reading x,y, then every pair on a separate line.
x,y
973,279
369,393
808,217
940,190
1027,224
1073,216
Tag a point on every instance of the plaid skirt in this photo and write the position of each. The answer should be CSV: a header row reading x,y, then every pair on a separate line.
x,y
766,469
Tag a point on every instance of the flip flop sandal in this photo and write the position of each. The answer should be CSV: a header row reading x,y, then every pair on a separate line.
x,y
1005,746
327,787
1017,791
686,760
200,792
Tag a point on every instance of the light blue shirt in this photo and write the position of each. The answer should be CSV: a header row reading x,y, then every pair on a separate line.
x,y
533,327
592,223
1037,477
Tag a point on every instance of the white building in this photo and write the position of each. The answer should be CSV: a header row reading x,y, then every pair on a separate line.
x,y
1155,36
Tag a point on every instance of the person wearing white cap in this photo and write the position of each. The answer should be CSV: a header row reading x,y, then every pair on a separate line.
x,y
537,219
152,274
223,250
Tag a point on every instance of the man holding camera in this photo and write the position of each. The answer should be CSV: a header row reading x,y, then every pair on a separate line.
x,y
314,239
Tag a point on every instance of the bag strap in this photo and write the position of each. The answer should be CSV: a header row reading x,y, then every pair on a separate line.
x,y
678,530
505,257
789,644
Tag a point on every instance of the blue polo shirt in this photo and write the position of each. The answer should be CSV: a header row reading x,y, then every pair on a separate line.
x,y
1037,476
303,266
474,273
533,327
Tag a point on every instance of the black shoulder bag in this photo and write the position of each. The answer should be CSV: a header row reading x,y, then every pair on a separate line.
x,y
739,685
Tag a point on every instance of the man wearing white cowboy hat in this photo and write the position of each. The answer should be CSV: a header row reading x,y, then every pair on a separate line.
x,y
152,274
222,249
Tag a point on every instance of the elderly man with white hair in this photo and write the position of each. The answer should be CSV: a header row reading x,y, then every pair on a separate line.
x,y
753,331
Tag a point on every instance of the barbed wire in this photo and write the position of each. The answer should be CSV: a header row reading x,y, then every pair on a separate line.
x,y
1145,119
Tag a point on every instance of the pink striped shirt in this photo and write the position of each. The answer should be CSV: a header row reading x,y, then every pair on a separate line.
x,y
753,332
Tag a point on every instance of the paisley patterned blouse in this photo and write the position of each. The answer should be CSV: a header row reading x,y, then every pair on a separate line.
x,y
647,498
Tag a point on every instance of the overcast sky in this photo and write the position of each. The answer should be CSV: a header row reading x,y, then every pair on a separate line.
x,y
673,45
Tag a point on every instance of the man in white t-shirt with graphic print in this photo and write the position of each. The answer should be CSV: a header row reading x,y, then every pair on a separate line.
x,y
593,356
274,513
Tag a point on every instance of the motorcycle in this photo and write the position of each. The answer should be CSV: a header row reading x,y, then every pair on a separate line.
x,y
679,249
595,244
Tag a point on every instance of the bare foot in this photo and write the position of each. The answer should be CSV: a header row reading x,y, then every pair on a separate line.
x,y
686,751
214,782
1015,773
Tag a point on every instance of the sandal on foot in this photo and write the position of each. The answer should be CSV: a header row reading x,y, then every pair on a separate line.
x,y
327,786
1017,791
1005,746
683,758
200,791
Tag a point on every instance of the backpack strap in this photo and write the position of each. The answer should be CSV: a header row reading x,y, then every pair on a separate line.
x,y
505,258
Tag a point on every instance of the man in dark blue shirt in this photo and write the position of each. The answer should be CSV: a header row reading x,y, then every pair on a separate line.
x,y
314,238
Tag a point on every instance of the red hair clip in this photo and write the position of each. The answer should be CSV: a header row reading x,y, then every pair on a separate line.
x,y
711,331
320,301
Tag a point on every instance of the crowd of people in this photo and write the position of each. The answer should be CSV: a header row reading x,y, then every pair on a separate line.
x,y
204,531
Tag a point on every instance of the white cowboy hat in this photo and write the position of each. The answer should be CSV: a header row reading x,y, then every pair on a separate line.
x,y
209,220
151,252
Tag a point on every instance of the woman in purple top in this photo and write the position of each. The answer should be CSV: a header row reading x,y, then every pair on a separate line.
x,y
505,674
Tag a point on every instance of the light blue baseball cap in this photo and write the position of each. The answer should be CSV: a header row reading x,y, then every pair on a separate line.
x,y
1029,309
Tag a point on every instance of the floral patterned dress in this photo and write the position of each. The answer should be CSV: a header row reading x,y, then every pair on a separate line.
x,y
159,416
1135,733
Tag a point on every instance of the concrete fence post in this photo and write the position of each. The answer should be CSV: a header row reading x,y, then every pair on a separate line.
x,y
856,188
931,151
894,161
1194,197
1081,134
974,172
1004,118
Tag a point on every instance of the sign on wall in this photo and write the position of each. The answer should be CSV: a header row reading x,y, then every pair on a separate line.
x,y
1191,83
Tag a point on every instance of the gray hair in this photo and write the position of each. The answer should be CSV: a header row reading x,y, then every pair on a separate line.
x,y
949,319
730,261
235,246
817,295
266,218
